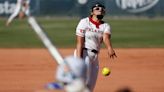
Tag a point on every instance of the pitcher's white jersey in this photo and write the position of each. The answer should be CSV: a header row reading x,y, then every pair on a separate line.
x,y
93,32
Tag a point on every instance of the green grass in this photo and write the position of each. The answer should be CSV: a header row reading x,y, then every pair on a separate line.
x,y
138,33
126,33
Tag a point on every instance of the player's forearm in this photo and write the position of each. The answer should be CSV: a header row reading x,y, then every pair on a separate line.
x,y
108,44
79,46
79,51
107,41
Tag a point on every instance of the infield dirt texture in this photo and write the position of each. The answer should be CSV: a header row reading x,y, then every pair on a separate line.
x,y
26,66
137,70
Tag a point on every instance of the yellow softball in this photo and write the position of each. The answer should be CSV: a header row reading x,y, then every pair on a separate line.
x,y
106,71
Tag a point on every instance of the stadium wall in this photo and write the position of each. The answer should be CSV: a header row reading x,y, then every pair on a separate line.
x,y
76,8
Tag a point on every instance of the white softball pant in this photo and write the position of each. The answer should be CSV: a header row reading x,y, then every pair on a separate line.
x,y
92,63
91,60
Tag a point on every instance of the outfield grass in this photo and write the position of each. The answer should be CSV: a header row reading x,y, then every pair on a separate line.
x,y
126,33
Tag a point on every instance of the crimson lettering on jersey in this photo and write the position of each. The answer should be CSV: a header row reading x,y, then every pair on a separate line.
x,y
81,31
93,30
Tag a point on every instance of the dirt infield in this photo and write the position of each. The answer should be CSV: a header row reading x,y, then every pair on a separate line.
x,y
134,70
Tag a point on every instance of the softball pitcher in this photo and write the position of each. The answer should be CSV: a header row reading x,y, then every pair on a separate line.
x,y
21,9
91,32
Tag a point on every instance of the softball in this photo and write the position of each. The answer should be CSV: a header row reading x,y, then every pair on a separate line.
x,y
106,71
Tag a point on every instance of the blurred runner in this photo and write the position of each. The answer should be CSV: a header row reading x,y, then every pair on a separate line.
x,y
22,9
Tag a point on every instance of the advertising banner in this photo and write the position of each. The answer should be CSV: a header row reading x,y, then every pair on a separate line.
x,y
82,7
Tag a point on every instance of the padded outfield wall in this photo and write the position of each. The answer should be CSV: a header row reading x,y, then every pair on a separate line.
x,y
74,8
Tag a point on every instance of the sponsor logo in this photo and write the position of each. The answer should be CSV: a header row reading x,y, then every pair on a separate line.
x,y
136,6
6,7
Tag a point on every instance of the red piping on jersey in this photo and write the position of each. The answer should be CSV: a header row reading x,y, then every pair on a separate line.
x,y
97,24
